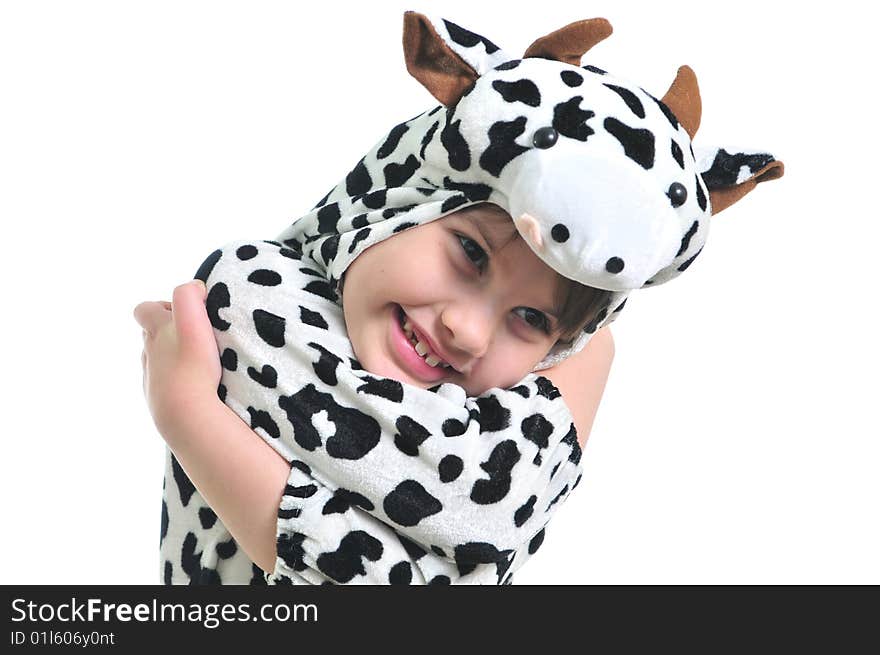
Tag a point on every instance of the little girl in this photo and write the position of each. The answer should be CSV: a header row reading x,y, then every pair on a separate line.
x,y
492,312
479,242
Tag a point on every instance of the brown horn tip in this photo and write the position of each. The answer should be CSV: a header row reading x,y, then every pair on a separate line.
x,y
683,100
568,44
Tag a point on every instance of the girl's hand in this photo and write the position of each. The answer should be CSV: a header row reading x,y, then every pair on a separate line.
x,y
180,360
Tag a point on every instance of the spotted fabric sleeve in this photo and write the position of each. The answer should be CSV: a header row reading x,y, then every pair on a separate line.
x,y
380,470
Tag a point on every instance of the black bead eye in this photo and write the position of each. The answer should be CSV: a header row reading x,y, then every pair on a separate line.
x,y
545,137
677,194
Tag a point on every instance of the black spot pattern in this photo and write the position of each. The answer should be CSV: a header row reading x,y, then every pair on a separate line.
x,y
246,252
358,180
593,69
375,200
537,429
427,138
392,140
525,511
207,517
536,542
314,319
410,435
467,38
522,390
457,149
631,99
502,145
725,168
558,497
356,433
328,218
493,416
229,359
185,487
508,65
217,299
325,367
677,154
666,111
400,573
450,468
570,438
468,555
268,377
701,196
571,78
270,327
397,174
472,191
343,500
690,261
413,550
453,428
359,236
409,503
452,202
207,266
524,91
226,549
571,121
163,528
686,239
320,288
329,247
290,550
261,419
383,387
638,144
265,277
546,388
499,466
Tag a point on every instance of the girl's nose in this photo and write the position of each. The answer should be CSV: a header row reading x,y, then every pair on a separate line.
x,y
471,325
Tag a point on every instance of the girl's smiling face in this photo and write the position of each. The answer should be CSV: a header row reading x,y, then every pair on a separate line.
x,y
473,294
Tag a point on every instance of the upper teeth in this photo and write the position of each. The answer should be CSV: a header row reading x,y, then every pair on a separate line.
x,y
421,348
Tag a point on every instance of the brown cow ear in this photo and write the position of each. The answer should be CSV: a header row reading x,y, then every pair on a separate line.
x,y
683,99
723,197
568,44
432,62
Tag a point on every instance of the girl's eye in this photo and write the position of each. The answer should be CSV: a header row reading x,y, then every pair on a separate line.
x,y
473,251
536,319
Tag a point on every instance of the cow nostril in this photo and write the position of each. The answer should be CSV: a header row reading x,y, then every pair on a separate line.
x,y
614,265
559,233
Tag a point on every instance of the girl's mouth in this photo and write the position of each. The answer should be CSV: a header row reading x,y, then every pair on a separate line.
x,y
418,358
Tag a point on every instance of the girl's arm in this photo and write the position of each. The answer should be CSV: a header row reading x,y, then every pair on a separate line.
x,y
581,380
240,476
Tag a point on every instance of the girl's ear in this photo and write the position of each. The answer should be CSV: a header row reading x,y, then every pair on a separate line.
x,y
730,176
445,58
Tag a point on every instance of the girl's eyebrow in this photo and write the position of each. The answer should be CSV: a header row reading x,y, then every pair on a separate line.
x,y
478,224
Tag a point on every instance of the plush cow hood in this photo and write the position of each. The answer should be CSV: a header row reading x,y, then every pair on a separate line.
x,y
599,176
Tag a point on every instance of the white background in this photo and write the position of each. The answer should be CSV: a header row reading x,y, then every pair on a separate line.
x,y
738,438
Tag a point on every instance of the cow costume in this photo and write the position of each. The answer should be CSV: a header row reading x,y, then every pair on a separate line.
x,y
394,484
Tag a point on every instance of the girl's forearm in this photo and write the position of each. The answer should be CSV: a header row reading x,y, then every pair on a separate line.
x,y
237,473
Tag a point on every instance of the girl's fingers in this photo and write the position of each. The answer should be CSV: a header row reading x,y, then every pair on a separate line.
x,y
150,315
190,315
